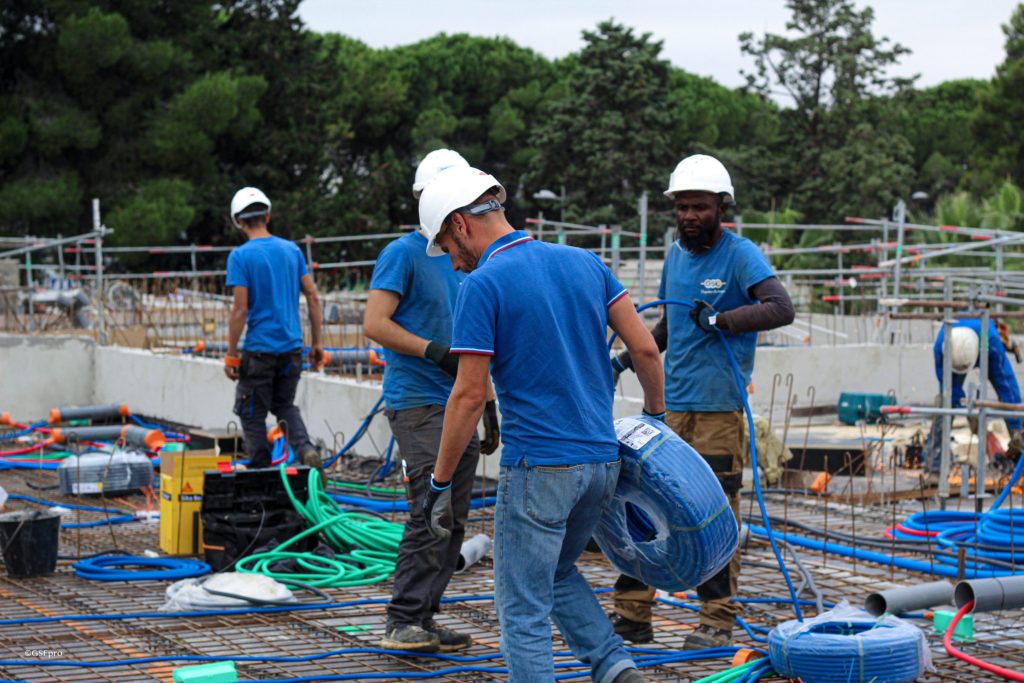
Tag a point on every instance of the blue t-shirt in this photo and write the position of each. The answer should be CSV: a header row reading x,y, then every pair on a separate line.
x,y
698,376
270,268
1000,370
541,311
427,287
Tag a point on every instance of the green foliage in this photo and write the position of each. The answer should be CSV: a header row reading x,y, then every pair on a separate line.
x,y
88,44
834,69
607,138
158,213
39,199
999,151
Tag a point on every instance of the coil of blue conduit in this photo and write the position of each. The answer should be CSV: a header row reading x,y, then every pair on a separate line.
x,y
113,568
847,645
741,389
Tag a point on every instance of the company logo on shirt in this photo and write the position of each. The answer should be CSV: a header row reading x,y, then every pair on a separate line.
x,y
712,285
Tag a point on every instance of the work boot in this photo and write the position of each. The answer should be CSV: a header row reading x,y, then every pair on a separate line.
x,y
410,637
630,675
633,631
311,458
705,637
449,640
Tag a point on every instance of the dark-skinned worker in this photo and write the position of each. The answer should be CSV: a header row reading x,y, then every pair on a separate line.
x,y
537,315
965,356
266,275
409,312
735,291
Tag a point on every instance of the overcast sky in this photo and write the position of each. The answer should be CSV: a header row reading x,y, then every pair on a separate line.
x,y
949,38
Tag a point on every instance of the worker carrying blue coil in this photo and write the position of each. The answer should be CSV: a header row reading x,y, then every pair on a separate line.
x,y
965,356
560,456
266,275
735,290
409,312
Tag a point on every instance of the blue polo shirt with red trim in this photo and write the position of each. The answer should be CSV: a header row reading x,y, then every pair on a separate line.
x,y
541,311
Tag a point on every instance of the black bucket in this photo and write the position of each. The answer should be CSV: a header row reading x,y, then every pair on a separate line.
x,y
29,540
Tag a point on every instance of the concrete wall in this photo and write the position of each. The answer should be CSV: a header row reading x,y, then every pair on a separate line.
x,y
46,372
40,373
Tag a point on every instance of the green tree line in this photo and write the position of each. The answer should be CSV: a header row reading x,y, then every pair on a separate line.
x,y
162,110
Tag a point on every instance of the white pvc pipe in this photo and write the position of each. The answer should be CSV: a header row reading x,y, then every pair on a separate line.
x,y
473,551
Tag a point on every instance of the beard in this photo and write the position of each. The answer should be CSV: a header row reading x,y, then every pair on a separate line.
x,y
704,239
466,258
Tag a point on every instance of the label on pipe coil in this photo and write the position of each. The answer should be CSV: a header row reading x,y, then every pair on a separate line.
x,y
669,523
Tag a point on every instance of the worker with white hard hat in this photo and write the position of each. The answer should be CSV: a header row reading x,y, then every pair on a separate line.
x,y
735,291
266,275
559,461
409,312
966,355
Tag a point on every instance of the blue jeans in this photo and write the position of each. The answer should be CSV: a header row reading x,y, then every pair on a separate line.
x,y
544,517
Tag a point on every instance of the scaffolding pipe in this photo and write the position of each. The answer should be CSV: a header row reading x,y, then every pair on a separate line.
x,y
909,598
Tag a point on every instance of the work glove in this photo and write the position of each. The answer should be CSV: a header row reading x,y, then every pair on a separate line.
x,y
492,431
704,315
437,509
1016,446
440,354
232,366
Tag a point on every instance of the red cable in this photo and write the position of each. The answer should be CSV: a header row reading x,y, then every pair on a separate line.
x,y
947,642
22,451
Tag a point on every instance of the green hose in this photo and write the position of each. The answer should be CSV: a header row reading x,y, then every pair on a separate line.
x,y
367,545
727,675
366,487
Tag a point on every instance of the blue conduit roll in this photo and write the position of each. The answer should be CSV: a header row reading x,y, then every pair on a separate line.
x,y
669,524
847,645
113,568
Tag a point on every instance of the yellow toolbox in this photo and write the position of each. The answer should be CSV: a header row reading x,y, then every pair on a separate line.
x,y
181,497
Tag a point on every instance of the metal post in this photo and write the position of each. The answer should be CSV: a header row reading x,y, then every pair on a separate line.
x,y
947,394
604,240
842,284
562,206
739,224
616,249
642,262
999,273
540,227
100,294
60,260
31,292
901,219
979,486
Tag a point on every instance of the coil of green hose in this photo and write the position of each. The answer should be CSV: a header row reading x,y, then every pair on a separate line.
x,y
367,546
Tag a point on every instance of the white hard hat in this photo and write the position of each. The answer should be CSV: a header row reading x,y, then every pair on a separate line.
x,y
245,198
701,173
451,189
434,163
965,349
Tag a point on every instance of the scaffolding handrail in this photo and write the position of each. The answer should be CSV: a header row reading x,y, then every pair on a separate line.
x,y
55,242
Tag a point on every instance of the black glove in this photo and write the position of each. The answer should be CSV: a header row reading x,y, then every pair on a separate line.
x,y
492,432
619,367
1016,446
437,508
704,315
439,353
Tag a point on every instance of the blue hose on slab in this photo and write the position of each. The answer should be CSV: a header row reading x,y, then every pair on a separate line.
x,y
110,568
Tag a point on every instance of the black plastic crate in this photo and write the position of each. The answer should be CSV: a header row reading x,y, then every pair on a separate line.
x,y
253,489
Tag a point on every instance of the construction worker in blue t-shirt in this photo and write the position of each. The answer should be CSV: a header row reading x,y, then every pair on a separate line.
x,y
734,290
965,356
266,275
409,312
560,457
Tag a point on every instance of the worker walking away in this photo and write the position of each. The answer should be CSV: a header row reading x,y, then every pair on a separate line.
x,y
266,275
409,312
559,463
966,347
735,291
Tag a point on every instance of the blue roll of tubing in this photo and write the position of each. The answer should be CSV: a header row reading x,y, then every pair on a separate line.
x,y
669,524
111,568
841,650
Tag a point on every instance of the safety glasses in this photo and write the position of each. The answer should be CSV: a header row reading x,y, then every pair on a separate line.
x,y
481,209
